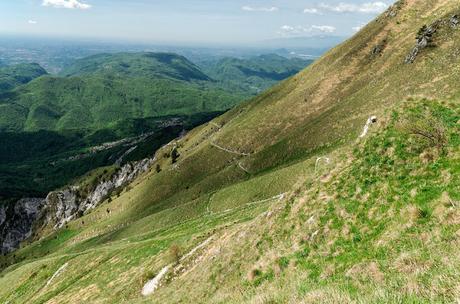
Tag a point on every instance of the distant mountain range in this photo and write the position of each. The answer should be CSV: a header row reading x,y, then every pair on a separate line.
x,y
317,44
254,74
46,119
340,184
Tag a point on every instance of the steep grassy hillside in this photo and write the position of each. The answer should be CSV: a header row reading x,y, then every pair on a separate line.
x,y
248,213
255,74
102,98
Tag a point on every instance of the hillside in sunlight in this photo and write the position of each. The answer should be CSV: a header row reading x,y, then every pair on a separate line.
x,y
255,74
286,198
49,124
14,76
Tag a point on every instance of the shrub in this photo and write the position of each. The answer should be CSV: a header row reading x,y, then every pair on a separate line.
x,y
174,155
283,263
426,128
175,253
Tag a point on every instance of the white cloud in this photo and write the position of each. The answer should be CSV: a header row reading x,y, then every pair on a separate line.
x,y
72,4
260,9
32,22
366,8
292,31
311,11
324,28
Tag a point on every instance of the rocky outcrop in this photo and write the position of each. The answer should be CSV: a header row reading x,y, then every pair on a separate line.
x,y
18,221
454,21
425,36
65,205
424,40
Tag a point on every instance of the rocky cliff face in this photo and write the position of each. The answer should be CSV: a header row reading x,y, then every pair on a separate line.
x,y
17,221
65,205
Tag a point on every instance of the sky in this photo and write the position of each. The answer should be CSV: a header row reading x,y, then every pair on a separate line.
x,y
187,21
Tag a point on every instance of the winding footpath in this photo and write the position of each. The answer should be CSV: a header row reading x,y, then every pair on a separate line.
x,y
152,285
227,150
57,273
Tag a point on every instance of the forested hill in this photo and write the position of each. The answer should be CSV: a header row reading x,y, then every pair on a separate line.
x,y
100,91
98,99
253,74
149,65
14,76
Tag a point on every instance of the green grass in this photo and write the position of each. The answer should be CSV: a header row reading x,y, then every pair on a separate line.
x,y
377,225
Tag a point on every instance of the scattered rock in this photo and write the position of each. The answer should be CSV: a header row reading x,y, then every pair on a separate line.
x,y
378,49
424,39
371,120
454,21
394,9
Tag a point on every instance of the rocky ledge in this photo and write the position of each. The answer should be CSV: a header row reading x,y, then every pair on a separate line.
x,y
18,221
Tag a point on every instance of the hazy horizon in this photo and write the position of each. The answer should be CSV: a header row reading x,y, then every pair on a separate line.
x,y
195,22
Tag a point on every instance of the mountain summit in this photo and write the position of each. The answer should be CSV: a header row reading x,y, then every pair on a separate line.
x,y
150,65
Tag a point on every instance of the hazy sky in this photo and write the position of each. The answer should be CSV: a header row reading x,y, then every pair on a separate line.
x,y
211,21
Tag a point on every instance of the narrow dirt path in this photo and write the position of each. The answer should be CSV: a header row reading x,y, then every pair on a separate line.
x,y
152,285
57,273
228,150
240,165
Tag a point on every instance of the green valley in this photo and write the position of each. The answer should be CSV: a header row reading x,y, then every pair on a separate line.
x,y
55,121
339,184
255,74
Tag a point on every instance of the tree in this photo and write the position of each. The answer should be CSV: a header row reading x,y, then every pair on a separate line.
x,y
174,155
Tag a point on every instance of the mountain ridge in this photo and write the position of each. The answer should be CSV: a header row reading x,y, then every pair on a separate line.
x,y
318,214
147,64
255,74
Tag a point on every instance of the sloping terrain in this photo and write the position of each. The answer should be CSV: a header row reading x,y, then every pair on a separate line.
x,y
247,211
101,91
51,126
14,76
150,65
255,74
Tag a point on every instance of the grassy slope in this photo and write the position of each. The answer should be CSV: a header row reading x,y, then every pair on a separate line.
x,y
113,95
380,226
356,234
